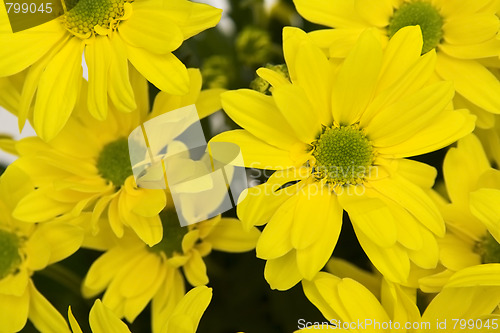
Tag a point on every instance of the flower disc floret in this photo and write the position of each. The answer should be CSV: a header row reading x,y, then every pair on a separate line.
x,y
489,249
343,155
114,162
83,16
10,258
420,13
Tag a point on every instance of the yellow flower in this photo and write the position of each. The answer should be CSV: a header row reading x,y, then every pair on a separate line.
x,y
121,269
110,33
24,249
468,302
87,166
182,317
338,136
467,241
462,32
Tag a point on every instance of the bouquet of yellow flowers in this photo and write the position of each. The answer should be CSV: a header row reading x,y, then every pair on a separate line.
x,y
250,166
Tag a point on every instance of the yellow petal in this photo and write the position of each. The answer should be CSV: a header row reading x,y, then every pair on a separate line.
x,y
312,259
258,114
261,201
391,126
209,101
274,78
189,311
119,88
392,262
75,327
371,215
191,17
43,315
165,71
479,275
400,55
413,199
98,61
195,270
313,74
14,311
298,112
444,130
332,13
356,82
470,29
484,205
103,320
37,206
63,239
472,80
255,152
22,49
462,167
275,240
229,236
282,273
377,14
151,30
58,90
311,214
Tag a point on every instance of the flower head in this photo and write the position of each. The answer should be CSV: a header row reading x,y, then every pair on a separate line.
x,y
24,249
338,136
463,35
87,166
111,33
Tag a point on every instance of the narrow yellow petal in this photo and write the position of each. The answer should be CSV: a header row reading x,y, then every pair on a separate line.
x,y
472,80
282,273
165,71
229,236
58,90
151,30
295,107
43,315
119,88
355,84
98,61
258,114
103,320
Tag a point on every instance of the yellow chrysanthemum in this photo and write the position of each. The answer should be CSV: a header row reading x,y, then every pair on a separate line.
x,y
110,33
24,249
467,241
339,136
87,166
468,303
121,270
462,32
183,316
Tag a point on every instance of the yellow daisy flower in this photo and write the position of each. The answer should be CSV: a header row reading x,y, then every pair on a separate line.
x,y
462,32
24,249
182,317
87,166
338,136
110,34
468,302
467,241
120,270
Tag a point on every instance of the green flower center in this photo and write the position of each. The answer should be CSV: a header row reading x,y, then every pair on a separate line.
x,y
489,249
83,15
343,155
114,162
10,258
420,13
173,234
